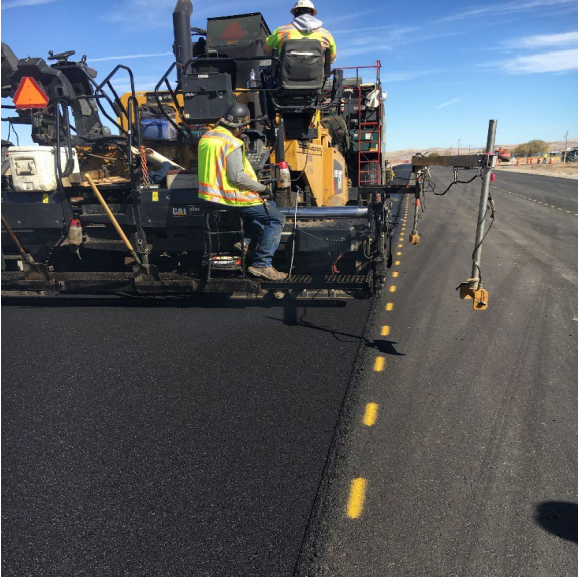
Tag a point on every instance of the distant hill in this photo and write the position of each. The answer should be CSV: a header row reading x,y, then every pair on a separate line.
x,y
395,155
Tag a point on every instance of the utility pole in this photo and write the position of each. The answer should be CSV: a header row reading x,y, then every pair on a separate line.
x,y
566,147
458,145
469,149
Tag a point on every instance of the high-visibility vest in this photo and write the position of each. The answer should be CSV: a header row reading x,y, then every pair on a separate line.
x,y
290,32
214,184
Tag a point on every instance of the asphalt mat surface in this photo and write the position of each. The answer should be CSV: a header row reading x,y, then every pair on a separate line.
x,y
470,468
176,439
166,439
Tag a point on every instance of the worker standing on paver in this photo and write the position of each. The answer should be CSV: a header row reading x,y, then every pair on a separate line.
x,y
304,25
226,177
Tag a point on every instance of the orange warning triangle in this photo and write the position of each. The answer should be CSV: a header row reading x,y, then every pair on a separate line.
x,y
29,94
233,33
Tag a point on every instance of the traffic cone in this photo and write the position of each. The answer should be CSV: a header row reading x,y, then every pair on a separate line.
x,y
551,161
517,161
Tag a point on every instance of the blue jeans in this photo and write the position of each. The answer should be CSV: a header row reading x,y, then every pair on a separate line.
x,y
264,223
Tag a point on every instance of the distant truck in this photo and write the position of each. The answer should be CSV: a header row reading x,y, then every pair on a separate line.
x,y
503,154
571,155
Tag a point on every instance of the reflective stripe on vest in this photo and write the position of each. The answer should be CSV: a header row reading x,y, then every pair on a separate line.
x,y
290,32
214,185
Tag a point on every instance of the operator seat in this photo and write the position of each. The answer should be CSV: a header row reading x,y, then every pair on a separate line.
x,y
302,71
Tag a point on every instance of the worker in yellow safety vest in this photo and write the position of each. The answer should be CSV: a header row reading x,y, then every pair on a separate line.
x,y
226,177
304,25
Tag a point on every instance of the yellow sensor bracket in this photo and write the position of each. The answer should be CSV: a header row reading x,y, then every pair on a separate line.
x,y
480,296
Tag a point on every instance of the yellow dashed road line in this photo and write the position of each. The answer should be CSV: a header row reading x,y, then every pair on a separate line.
x,y
389,307
356,498
370,416
379,364
385,331
392,288
534,200
395,274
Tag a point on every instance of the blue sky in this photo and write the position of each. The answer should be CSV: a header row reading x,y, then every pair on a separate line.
x,y
448,66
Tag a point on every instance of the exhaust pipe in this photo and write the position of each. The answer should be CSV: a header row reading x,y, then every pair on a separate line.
x,y
182,47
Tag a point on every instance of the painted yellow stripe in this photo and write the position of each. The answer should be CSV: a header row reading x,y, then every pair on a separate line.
x,y
392,288
400,246
356,498
395,274
389,307
379,364
385,331
397,262
399,253
371,413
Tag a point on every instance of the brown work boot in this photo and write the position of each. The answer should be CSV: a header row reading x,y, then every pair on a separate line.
x,y
247,251
269,273
238,247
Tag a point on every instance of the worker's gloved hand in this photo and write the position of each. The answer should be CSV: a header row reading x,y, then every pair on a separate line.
x,y
267,194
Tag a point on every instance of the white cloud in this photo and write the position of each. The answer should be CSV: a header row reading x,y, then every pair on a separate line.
x,y
21,3
402,76
375,43
129,56
389,29
157,13
149,82
449,102
505,8
350,16
543,40
557,61
366,49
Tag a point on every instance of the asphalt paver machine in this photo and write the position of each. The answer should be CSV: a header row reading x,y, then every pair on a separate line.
x,y
109,207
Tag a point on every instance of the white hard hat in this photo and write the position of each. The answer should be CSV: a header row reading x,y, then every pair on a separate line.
x,y
304,4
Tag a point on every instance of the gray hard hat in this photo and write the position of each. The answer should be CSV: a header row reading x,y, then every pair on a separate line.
x,y
236,115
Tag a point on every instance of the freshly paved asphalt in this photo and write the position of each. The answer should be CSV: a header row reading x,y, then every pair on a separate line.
x,y
169,440
204,439
471,467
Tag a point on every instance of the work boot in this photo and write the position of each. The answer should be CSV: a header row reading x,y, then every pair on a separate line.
x,y
238,247
248,252
269,273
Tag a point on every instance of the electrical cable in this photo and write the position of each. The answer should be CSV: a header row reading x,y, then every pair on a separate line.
x,y
490,208
305,165
455,181
298,190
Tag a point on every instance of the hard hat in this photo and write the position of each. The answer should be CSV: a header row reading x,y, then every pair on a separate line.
x,y
304,4
236,115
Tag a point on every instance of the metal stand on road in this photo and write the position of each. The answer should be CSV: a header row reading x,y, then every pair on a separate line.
x,y
472,289
414,237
